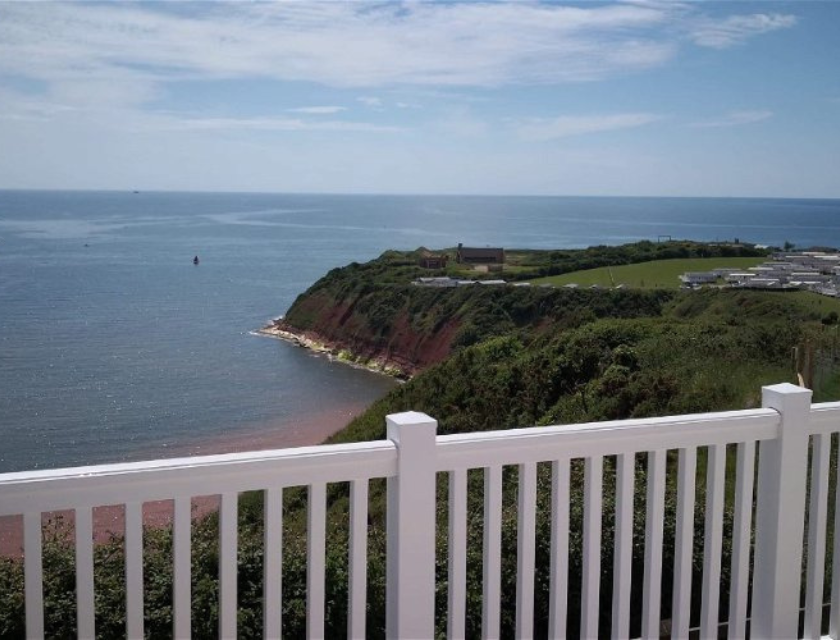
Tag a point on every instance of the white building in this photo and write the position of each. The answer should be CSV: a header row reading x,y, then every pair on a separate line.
x,y
699,277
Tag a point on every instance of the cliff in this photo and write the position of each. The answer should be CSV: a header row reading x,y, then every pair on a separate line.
x,y
372,315
342,330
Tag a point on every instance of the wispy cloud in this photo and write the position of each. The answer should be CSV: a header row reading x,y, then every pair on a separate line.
x,y
325,110
122,53
734,119
272,124
734,30
370,101
18,106
336,44
542,129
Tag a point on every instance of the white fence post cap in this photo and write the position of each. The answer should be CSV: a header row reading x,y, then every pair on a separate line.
x,y
409,417
785,388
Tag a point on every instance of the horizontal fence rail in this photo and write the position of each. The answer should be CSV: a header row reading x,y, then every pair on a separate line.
x,y
699,524
535,444
204,475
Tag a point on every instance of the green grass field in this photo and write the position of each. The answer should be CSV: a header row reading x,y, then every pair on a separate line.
x,y
815,303
647,275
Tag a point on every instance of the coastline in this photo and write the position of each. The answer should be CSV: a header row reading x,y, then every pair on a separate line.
x,y
339,353
110,520
314,429
311,430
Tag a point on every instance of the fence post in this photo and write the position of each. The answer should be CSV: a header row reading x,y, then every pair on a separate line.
x,y
780,515
410,599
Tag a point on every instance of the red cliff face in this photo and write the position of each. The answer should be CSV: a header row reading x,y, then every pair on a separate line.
x,y
340,327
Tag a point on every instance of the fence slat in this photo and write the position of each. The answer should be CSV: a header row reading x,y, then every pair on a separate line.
x,y
654,519
85,610
492,591
817,513
456,618
559,579
623,557
684,542
273,569
134,570
315,561
33,569
358,559
741,538
593,482
713,540
228,525
182,550
526,550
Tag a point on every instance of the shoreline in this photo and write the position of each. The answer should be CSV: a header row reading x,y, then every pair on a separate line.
x,y
335,352
310,430
109,520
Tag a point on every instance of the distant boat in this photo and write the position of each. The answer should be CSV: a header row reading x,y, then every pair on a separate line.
x,y
135,192
195,260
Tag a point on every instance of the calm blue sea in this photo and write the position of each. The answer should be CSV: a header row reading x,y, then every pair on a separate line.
x,y
113,346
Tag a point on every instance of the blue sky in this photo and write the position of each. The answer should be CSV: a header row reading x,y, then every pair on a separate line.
x,y
644,97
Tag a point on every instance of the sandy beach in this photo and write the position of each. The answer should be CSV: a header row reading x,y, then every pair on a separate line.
x,y
110,520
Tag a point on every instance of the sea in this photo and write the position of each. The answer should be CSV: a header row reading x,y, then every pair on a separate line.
x,y
115,347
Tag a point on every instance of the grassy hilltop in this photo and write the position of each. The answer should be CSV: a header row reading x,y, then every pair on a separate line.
x,y
647,275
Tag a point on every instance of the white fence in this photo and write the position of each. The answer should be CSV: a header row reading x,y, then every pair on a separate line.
x,y
780,455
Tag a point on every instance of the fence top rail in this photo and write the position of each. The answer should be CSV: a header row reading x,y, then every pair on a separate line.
x,y
54,489
539,444
49,490
825,418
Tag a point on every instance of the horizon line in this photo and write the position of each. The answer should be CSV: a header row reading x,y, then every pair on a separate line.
x,y
411,194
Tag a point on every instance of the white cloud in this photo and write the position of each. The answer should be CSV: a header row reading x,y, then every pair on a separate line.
x,y
336,44
268,124
20,107
722,34
735,118
541,129
325,110
370,101
124,51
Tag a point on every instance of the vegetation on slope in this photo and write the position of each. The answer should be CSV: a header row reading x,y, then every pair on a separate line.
x,y
415,327
372,310
606,369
